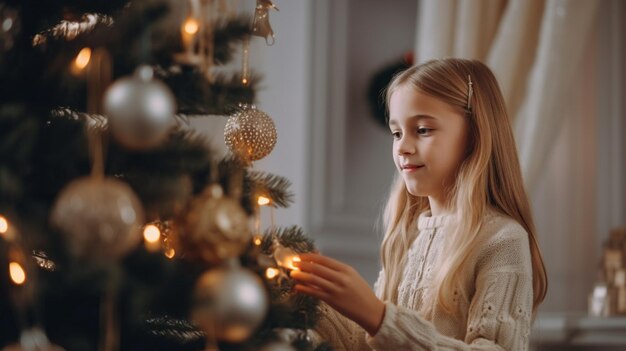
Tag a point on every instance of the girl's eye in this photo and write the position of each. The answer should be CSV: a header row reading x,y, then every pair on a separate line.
x,y
396,135
423,131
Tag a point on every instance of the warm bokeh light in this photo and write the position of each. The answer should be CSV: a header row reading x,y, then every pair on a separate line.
x,y
191,26
83,57
288,261
257,240
271,273
262,200
151,233
4,225
170,253
244,81
18,275
295,259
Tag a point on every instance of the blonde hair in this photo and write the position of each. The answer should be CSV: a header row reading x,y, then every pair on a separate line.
x,y
489,177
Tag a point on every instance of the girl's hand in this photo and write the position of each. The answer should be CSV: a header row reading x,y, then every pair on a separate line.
x,y
341,287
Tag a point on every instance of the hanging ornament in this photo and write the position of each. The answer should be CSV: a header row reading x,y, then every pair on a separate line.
x,y
140,109
250,133
33,339
261,24
99,217
229,303
217,227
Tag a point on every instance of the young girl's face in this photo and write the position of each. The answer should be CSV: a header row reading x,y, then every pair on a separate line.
x,y
429,141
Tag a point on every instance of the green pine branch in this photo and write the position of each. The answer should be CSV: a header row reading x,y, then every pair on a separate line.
x,y
273,186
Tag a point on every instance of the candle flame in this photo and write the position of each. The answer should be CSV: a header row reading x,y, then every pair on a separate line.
x,y
151,233
191,26
18,275
170,253
262,200
4,225
82,59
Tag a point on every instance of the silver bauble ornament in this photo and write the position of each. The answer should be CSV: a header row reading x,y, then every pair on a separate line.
x,y
99,217
217,227
250,133
229,303
140,110
33,339
278,346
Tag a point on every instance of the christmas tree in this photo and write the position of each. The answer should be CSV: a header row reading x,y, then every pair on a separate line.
x,y
120,228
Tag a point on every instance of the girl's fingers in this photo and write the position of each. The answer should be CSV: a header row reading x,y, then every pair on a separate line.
x,y
323,260
319,270
313,279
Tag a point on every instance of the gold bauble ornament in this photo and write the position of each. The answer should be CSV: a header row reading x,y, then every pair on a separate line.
x,y
217,227
250,133
100,218
229,303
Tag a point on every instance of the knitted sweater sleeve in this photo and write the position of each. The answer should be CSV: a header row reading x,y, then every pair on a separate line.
x,y
499,316
341,332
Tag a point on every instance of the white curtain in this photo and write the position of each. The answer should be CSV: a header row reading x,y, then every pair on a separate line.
x,y
541,53
533,47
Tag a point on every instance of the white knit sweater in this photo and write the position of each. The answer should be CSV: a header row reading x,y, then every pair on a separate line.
x,y
496,306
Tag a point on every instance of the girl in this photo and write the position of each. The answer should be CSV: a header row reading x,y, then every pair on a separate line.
x,y
461,267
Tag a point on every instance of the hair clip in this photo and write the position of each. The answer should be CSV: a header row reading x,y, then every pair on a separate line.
x,y
470,91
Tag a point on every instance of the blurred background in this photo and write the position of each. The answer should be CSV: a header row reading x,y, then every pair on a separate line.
x,y
561,67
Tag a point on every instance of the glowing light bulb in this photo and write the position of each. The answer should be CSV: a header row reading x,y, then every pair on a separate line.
x,y
170,253
18,275
271,273
4,225
6,230
82,59
191,26
152,234
262,200
244,81
285,257
257,240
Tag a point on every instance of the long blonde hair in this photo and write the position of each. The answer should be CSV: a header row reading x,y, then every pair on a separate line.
x,y
489,177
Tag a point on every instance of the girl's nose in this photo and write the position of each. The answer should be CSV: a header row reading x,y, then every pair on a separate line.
x,y
405,146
